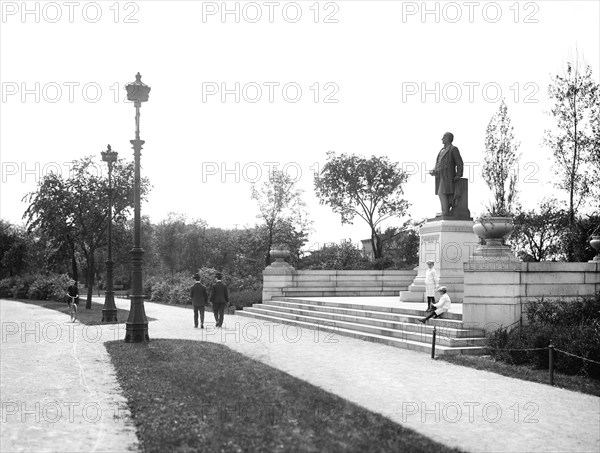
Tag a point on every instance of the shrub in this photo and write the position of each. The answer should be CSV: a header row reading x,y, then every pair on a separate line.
x,y
49,287
160,290
36,287
243,291
564,313
179,293
571,326
245,298
21,288
343,256
6,287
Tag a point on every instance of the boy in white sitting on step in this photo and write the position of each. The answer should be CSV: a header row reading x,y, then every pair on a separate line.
x,y
441,307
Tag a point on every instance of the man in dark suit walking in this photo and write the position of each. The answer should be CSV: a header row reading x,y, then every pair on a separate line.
x,y
199,299
448,170
219,298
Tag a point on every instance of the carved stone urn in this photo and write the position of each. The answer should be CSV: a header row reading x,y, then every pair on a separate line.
x,y
493,230
595,243
279,253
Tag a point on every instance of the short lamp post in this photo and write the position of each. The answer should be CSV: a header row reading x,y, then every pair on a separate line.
x,y
109,312
136,327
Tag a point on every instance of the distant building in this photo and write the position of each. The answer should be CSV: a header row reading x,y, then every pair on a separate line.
x,y
367,248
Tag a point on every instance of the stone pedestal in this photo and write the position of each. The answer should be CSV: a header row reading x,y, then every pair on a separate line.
x,y
493,293
493,288
450,243
276,277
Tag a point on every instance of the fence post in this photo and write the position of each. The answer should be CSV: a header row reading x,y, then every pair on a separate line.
x,y
433,343
551,362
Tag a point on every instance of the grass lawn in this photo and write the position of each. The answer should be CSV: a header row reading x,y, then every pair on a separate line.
x,y
487,363
89,317
189,396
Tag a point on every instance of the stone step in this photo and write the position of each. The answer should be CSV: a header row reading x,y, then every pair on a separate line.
x,y
341,292
346,303
405,343
419,296
411,331
373,316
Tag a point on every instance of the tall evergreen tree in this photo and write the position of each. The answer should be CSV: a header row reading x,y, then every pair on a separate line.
x,y
501,163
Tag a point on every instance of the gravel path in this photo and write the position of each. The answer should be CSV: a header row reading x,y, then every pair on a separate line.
x,y
461,407
58,387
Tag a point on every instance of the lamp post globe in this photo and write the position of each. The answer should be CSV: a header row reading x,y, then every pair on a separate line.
x,y
136,327
109,311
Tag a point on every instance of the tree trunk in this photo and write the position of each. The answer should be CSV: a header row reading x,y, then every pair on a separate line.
x,y
269,245
376,245
91,271
572,188
74,263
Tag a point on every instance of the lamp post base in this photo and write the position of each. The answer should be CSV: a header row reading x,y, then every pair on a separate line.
x,y
109,315
136,333
109,312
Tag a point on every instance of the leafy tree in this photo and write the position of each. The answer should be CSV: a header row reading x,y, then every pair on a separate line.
x,y
179,243
578,239
500,166
342,256
280,208
219,249
74,210
369,188
402,245
576,96
51,213
14,245
540,233
593,158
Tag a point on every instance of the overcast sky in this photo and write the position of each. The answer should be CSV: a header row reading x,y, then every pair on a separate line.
x,y
239,87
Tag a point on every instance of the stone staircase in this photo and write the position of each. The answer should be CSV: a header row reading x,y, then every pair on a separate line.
x,y
393,326
349,283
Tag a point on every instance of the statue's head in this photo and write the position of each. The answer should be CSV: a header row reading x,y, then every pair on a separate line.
x,y
448,138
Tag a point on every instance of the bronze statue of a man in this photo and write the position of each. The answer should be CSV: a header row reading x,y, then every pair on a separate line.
x,y
448,171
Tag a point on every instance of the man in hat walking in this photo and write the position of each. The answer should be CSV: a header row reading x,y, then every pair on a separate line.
x,y
219,298
199,299
441,307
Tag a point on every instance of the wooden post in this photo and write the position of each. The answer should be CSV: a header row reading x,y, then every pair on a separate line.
x,y
433,343
551,362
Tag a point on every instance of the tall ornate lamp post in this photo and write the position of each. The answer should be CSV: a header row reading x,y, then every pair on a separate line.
x,y
137,323
109,312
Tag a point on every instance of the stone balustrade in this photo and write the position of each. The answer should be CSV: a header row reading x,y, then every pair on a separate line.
x,y
281,279
497,292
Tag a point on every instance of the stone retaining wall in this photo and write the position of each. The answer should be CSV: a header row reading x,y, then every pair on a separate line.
x,y
284,280
497,293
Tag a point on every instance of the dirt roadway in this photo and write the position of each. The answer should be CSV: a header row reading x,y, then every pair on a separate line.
x,y
473,410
